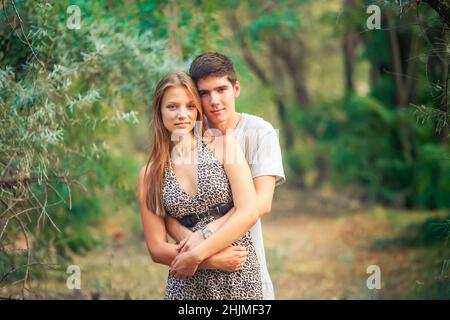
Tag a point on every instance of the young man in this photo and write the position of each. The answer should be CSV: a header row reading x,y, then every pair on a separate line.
x,y
216,81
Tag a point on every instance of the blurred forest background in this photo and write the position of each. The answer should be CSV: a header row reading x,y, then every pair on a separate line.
x,y
363,116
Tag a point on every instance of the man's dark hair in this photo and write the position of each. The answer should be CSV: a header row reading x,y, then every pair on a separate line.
x,y
212,64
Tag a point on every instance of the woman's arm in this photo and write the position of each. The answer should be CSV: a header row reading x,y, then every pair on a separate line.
x,y
163,252
188,239
244,198
154,229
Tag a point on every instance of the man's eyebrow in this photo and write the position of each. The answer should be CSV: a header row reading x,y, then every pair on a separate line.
x,y
222,87
216,88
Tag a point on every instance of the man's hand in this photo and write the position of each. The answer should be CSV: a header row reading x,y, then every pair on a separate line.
x,y
230,259
190,242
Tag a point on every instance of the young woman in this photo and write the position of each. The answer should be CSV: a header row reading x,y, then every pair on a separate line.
x,y
196,181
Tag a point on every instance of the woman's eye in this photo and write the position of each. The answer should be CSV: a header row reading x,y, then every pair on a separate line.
x,y
171,107
191,107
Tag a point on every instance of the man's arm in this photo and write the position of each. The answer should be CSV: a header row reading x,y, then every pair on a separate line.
x,y
265,187
175,229
178,232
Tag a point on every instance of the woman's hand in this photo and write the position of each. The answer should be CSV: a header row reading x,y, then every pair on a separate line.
x,y
230,259
184,265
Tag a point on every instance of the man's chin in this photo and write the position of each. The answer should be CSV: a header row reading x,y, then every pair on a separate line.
x,y
217,118
216,121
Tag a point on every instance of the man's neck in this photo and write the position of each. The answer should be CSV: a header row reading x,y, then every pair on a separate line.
x,y
230,124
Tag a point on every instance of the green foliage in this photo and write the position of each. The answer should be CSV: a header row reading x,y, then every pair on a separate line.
x,y
358,139
56,117
428,233
195,22
66,161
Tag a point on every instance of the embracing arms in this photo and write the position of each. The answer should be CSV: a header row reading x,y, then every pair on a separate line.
x,y
264,187
163,252
244,216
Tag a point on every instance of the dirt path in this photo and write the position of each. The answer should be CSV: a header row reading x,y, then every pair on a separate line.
x,y
322,250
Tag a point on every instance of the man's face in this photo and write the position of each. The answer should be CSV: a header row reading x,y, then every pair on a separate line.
x,y
218,99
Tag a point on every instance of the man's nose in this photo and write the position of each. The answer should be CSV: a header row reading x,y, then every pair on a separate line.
x,y
214,98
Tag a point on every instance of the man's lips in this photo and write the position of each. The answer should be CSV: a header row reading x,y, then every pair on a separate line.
x,y
217,111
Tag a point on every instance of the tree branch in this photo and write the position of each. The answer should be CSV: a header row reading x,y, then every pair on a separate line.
x,y
442,8
24,34
13,181
248,56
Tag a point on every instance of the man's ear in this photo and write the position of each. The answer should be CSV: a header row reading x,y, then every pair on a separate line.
x,y
237,89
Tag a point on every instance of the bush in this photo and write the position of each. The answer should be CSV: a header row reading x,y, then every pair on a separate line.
x,y
358,141
58,108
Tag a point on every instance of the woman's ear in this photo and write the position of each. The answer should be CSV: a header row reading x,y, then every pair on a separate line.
x,y
237,89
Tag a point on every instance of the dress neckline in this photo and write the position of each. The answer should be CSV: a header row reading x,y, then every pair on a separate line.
x,y
199,146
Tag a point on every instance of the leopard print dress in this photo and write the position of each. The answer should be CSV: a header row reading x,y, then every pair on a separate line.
x,y
213,188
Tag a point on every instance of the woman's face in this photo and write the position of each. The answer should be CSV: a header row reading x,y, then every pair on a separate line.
x,y
178,110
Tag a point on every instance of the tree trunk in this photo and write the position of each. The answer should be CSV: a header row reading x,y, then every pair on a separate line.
x,y
404,50
262,76
171,11
294,66
349,44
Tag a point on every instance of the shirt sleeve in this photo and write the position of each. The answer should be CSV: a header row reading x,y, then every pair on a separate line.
x,y
266,156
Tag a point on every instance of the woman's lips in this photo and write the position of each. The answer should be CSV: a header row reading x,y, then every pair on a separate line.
x,y
182,124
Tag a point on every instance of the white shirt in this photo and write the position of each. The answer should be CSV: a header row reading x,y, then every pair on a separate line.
x,y
259,142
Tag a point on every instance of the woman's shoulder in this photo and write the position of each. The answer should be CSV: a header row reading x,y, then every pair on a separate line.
x,y
144,170
220,142
223,147
144,173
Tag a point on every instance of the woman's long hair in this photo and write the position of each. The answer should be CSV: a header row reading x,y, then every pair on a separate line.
x,y
160,137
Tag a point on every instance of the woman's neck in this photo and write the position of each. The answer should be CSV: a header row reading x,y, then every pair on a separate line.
x,y
184,146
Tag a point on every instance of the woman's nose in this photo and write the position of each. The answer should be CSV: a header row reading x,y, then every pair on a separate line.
x,y
182,112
